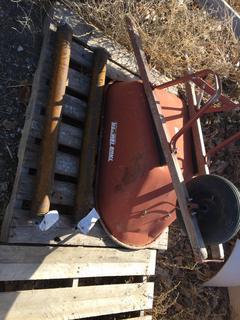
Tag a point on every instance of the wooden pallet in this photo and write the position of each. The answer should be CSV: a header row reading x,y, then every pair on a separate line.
x,y
75,283
18,225
61,273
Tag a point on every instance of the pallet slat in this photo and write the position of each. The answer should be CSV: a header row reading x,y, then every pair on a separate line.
x,y
234,294
78,82
81,55
140,318
25,263
66,164
75,303
69,136
74,108
25,230
63,192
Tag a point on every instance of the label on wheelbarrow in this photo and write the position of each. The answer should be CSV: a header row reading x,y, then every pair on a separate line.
x,y
112,141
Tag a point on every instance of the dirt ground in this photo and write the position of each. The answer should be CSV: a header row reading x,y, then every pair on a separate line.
x,y
20,40
179,294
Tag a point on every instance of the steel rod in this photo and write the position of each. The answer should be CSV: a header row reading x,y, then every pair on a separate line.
x,y
198,114
223,144
45,171
227,104
198,141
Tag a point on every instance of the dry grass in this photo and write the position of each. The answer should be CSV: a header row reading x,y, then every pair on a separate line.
x,y
235,4
179,294
170,29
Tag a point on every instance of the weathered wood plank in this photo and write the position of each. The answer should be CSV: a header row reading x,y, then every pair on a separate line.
x,y
74,108
78,82
60,236
69,136
66,164
63,192
26,262
24,229
81,55
42,69
234,297
84,57
75,303
141,318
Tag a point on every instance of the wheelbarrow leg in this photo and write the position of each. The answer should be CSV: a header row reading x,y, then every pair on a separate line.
x,y
194,234
217,251
198,141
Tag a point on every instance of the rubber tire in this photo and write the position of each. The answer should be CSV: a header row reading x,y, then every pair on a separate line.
x,y
221,201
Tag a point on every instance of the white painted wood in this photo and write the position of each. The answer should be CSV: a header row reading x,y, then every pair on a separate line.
x,y
234,297
224,11
75,283
75,303
32,262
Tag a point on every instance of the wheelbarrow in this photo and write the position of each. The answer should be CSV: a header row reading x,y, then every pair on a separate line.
x,y
154,166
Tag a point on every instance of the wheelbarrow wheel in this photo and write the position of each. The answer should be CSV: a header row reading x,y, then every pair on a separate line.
x,y
218,211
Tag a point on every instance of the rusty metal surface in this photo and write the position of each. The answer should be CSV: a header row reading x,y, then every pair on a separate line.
x,y
195,113
45,172
213,99
193,231
135,196
85,189
198,79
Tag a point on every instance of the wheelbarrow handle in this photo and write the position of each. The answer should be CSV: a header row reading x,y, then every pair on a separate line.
x,y
208,104
195,237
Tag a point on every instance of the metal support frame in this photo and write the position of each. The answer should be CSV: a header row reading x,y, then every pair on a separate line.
x,y
216,96
194,234
198,79
169,146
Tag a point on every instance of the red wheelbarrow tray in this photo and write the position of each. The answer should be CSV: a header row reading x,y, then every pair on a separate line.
x,y
135,195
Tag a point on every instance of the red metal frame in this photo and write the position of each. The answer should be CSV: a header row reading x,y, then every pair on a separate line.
x,y
216,96
198,79
168,147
